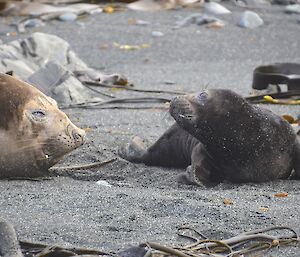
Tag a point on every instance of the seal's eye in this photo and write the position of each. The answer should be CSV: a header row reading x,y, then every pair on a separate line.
x,y
38,115
202,97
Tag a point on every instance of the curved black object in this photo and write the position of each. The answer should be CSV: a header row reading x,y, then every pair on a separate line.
x,y
275,74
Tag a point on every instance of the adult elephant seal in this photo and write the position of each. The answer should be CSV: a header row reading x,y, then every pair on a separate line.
x,y
34,133
220,136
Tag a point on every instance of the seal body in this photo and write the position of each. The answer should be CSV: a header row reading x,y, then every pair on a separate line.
x,y
219,136
34,133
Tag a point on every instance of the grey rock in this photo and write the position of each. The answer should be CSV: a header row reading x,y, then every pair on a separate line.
x,y
96,76
30,23
48,62
250,20
21,68
68,16
59,83
142,22
293,8
284,2
38,49
33,23
157,34
198,19
252,3
215,8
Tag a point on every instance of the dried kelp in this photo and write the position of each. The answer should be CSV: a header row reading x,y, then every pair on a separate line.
x,y
260,240
256,241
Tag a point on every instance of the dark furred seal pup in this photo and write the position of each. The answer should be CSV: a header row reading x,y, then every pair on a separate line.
x,y
34,133
220,136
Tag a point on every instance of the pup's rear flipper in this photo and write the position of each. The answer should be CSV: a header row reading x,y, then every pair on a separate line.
x,y
172,149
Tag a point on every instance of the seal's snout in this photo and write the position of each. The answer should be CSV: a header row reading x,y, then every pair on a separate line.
x,y
179,107
79,136
175,108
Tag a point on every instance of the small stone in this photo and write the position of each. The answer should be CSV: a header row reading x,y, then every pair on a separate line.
x,y
103,183
142,22
30,23
96,11
157,34
33,23
132,21
216,25
169,82
250,20
198,19
215,8
293,8
5,32
284,2
68,16
250,3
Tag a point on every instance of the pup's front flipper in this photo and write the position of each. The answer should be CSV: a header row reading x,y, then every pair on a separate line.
x,y
202,171
135,151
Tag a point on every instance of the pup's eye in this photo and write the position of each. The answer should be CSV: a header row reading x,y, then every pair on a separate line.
x,y
202,97
38,115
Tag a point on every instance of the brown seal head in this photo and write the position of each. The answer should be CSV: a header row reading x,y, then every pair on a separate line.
x,y
34,133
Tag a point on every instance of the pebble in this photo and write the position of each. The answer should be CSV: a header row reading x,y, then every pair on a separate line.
x,y
284,2
32,23
250,3
169,82
95,11
142,22
293,8
157,34
199,19
250,20
215,8
103,183
68,16
5,32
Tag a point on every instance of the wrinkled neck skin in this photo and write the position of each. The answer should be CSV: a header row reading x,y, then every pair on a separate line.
x,y
19,158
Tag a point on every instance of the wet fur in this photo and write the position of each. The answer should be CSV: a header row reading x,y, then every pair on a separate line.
x,y
222,137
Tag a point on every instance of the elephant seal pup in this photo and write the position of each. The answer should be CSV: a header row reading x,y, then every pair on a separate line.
x,y
34,133
220,136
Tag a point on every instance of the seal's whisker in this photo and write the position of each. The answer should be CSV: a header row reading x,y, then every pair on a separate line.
x,y
30,139
165,115
27,147
30,146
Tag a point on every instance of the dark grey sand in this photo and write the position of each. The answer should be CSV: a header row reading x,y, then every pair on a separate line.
x,y
146,203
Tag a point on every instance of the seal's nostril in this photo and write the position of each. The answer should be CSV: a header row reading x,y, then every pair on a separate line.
x,y
79,137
